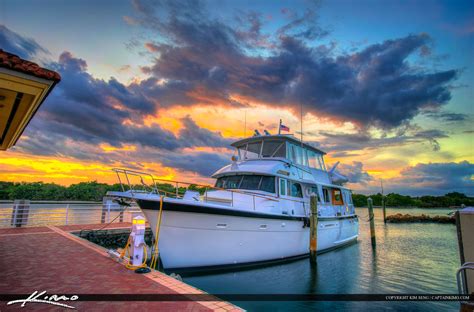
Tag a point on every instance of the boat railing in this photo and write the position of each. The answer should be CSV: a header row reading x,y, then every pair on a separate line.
x,y
177,189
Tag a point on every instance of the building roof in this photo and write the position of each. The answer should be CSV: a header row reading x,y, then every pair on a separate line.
x,y
13,62
24,86
281,137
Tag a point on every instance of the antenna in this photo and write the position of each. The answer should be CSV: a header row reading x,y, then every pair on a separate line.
x,y
301,111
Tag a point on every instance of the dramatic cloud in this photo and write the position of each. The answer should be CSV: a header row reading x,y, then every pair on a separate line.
x,y
355,173
340,144
447,116
435,178
199,60
16,44
84,113
375,86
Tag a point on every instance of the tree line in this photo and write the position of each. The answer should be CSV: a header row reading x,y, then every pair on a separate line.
x,y
84,191
94,191
396,200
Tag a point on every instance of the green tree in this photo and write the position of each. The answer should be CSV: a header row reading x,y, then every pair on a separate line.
x,y
359,200
5,189
88,191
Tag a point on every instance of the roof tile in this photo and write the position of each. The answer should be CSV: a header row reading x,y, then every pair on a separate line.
x,y
13,62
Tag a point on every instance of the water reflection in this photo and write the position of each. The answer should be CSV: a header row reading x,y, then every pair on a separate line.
x,y
409,258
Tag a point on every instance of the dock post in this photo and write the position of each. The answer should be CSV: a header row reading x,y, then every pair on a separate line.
x,y
371,220
20,212
313,239
67,214
383,209
104,210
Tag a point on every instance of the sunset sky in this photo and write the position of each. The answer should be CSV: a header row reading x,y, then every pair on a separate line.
x,y
164,86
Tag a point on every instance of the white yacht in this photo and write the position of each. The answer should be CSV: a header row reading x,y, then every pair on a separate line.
x,y
258,210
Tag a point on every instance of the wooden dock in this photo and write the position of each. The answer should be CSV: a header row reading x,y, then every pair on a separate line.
x,y
54,260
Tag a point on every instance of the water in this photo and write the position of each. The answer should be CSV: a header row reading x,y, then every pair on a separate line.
x,y
62,213
409,258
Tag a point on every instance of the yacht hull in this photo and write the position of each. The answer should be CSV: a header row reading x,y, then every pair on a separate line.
x,y
193,236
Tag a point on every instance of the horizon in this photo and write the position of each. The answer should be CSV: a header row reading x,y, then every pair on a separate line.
x,y
166,86
112,184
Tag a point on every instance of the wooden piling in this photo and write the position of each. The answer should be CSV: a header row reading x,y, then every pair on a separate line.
x,y
313,239
383,203
383,209
371,220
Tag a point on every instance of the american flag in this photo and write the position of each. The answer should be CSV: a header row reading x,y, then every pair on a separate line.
x,y
284,128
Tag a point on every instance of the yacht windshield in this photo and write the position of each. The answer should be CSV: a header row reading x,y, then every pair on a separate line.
x,y
247,182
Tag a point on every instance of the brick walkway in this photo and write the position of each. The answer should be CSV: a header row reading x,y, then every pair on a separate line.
x,y
52,259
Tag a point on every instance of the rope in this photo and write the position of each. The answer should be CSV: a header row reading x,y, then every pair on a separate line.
x,y
155,256
366,218
92,230
129,265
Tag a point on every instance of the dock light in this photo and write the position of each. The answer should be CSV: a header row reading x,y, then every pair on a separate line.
x,y
137,241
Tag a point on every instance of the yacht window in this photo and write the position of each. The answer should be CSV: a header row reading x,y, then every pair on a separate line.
x,y
326,195
305,157
283,187
337,197
241,151
267,184
250,182
295,189
230,182
313,160
253,150
321,162
299,155
293,153
247,182
280,151
349,198
273,149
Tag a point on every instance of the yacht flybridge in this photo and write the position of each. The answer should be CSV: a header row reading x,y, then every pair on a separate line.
x,y
257,211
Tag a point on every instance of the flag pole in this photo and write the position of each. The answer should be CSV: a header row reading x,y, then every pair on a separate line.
x,y
279,128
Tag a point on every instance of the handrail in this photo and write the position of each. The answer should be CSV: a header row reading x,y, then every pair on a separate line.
x,y
463,268
154,179
68,214
186,185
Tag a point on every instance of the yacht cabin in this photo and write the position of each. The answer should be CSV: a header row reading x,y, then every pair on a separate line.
x,y
282,167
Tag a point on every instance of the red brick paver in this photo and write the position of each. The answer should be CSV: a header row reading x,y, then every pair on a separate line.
x,y
53,260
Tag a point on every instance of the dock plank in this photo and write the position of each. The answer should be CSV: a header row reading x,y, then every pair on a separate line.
x,y
60,263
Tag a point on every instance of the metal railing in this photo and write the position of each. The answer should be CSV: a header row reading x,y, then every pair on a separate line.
x,y
181,187
42,213
461,278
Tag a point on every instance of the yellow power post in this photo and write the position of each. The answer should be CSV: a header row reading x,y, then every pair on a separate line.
x,y
313,238
371,219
